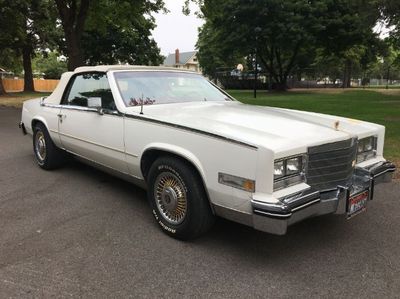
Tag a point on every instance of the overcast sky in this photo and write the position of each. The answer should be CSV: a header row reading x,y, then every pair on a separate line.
x,y
175,30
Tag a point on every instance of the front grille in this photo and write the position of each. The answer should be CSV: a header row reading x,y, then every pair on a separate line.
x,y
330,165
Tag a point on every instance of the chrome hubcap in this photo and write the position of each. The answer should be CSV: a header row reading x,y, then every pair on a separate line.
x,y
40,146
170,198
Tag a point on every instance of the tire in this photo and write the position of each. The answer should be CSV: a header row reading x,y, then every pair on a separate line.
x,y
178,199
48,155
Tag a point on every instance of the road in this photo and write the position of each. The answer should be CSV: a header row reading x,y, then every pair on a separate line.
x,y
77,232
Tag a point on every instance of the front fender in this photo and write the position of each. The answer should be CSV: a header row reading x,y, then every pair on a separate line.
x,y
179,151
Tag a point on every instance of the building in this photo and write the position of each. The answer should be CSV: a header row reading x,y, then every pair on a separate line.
x,y
184,60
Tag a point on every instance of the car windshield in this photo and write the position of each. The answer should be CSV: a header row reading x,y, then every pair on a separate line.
x,y
163,87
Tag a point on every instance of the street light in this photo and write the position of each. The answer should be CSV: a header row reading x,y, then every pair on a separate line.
x,y
257,30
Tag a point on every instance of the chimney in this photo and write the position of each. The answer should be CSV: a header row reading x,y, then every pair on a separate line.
x,y
177,56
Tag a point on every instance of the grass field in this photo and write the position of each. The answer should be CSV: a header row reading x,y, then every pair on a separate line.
x,y
15,99
382,107
379,106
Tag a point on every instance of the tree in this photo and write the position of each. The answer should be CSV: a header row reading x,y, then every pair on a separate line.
x,y
73,14
391,16
123,35
26,25
291,30
348,32
107,31
50,64
11,62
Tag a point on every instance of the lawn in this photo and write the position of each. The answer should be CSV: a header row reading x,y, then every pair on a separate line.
x,y
378,106
15,99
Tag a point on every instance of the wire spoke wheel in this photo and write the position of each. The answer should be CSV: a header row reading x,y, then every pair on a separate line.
x,y
40,146
170,197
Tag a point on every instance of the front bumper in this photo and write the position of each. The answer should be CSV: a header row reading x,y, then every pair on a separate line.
x,y
275,218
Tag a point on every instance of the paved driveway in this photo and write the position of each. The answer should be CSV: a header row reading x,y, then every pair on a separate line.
x,y
79,232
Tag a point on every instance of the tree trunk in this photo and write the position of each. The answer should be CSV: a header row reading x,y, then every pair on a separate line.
x,y
73,15
2,90
281,85
347,74
75,53
27,62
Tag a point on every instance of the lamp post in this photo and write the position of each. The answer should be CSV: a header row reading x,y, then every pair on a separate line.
x,y
256,32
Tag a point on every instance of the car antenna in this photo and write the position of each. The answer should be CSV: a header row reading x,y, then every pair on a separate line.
x,y
141,105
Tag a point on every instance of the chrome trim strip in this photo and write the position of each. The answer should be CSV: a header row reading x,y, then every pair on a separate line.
x,y
50,105
383,172
273,214
81,108
192,130
306,204
132,155
91,142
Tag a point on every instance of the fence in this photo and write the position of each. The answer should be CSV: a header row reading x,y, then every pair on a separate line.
x,y
15,85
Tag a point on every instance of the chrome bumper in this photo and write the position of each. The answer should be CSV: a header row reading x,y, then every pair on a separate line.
x,y
275,218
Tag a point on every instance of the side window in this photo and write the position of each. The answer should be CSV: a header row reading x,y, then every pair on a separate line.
x,y
86,86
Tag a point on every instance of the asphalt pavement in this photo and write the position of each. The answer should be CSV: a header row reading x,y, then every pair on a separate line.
x,y
77,232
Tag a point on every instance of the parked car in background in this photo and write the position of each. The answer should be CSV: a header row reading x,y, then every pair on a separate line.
x,y
202,154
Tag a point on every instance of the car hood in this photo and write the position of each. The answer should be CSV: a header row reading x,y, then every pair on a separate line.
x,y
274,128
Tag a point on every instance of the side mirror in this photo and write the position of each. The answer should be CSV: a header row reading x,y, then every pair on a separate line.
x,y
95,102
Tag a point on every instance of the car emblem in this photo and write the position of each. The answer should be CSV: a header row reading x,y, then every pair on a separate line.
x,y
336,125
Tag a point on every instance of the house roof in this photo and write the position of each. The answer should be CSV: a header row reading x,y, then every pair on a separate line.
x,y
184,57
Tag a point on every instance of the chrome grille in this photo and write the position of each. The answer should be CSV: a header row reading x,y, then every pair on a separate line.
x,y
330,165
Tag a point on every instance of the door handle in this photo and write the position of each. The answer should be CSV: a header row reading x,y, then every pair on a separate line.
x,y
61,116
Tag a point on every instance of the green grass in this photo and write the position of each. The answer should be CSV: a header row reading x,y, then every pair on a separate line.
x,y
15,99
369,105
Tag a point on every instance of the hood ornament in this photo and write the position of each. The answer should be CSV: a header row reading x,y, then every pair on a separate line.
x,y
336,125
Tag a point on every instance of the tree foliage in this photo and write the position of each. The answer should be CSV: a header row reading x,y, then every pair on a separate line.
x,y
50,64
285,33
109,31
122,34
26,25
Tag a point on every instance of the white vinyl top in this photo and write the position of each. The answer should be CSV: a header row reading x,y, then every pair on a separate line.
x,y
106,68
56,96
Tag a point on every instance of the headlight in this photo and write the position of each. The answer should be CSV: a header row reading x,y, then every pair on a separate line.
x,y
366,148
289,171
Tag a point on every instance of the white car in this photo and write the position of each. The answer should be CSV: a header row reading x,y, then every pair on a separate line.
x,y
200,153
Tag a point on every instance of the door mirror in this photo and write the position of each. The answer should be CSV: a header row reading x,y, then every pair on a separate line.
x,y
94,102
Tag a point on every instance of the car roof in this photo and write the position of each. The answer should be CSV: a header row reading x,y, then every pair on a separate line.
x,y
106,68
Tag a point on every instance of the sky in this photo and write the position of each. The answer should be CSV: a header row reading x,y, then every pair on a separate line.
x,y
175,30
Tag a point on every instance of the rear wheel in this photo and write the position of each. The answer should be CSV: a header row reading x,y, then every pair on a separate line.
x,y
178,199
48,155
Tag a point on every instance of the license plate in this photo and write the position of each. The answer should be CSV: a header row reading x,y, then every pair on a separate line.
x,y
357,204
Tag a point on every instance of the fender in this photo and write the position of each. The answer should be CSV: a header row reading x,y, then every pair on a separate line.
x,y
179,151
185,154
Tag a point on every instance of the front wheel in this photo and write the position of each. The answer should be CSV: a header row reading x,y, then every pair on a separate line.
x,y
48,155
178,199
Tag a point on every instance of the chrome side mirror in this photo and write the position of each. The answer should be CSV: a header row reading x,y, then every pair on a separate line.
x,y
95,102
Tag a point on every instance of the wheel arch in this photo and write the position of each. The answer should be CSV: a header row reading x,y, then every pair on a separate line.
x,y
39,119
154,151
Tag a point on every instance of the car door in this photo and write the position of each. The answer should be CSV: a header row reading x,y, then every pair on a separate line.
x,y
94,133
